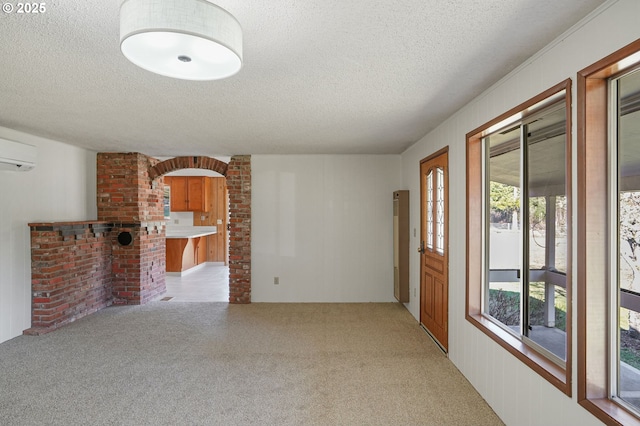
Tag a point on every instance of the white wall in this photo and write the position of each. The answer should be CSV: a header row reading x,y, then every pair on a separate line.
x,y
62,187
323,224
517,394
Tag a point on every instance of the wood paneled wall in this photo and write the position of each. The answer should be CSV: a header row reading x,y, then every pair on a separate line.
x,y
217,245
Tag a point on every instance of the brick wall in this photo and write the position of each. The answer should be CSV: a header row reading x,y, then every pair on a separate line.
x,y
70,272
138,267
239,187
81,267
132,201
126,193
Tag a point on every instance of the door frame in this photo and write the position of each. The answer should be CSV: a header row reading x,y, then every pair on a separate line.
x,y
443,343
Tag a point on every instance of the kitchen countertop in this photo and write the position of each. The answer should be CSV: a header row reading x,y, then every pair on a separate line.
x,y
190,231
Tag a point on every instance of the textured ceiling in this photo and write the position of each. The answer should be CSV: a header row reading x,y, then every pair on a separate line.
x,y
331,76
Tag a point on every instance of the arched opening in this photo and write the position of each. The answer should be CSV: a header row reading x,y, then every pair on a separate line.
x,y
195,162
238,179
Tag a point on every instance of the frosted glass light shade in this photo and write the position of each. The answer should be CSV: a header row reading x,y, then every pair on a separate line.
x,y
186,39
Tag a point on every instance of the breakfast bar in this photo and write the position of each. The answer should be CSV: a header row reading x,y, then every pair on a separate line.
x,y
186,248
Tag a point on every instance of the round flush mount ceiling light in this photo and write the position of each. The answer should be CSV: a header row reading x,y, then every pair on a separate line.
x,y
186,39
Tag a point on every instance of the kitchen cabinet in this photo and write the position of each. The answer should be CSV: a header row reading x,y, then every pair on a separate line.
x,y
186,247
189,193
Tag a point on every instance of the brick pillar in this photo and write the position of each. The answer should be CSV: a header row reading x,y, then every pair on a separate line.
x,y
128,198
239,187
126,194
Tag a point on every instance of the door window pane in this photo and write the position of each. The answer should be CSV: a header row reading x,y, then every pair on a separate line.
x,y
430,210
440,211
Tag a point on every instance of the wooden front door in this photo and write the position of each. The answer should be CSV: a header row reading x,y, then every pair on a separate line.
x,y
434,247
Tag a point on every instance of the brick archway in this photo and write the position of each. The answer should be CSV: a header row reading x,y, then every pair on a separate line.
x,y
238,175
178,163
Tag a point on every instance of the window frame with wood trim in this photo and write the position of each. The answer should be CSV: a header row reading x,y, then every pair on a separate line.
x,y
597,239
537,358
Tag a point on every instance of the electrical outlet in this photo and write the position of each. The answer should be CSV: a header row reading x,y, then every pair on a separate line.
x,y
276,280
414,232
414,292
176,221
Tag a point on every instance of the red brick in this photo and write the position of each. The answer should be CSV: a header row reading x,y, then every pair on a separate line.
x,y
77,275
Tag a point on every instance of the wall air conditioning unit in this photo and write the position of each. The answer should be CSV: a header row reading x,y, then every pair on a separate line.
x,y
16,156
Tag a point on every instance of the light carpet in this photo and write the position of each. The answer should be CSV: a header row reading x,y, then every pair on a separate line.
x,y
220,364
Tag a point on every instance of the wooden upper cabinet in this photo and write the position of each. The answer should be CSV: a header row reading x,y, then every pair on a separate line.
x,y
189,193
197,196
178,195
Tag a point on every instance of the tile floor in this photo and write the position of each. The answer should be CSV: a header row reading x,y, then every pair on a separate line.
x,y
207,284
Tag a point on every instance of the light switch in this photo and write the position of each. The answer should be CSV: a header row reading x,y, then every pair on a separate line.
x,y
219,222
